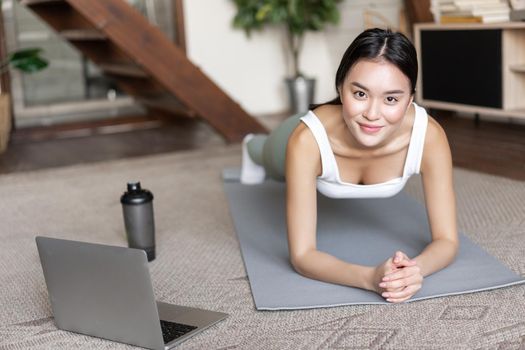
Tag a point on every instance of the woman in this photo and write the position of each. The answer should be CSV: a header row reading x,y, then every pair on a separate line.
x,y
366,143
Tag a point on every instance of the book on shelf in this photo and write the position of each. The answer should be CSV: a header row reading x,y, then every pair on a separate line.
x,y
474,19
517,4
472,11
475,12
485,9
471,2
457,19
466,5
517,15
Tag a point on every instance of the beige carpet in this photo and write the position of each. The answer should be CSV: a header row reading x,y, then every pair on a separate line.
x,y
199,263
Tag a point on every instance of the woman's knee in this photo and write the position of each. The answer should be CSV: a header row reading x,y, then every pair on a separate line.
x,y
255,148
274,150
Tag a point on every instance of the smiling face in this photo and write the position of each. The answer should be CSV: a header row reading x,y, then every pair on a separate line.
x,y
375,96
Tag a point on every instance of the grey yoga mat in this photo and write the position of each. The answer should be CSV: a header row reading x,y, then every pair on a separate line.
x,y
363,231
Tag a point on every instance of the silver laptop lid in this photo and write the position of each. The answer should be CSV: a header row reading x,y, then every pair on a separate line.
x,y
102,291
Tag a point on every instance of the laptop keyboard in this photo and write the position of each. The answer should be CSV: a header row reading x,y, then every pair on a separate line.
x,y
172,330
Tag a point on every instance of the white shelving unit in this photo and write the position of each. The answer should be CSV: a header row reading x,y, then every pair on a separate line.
x,y
511,72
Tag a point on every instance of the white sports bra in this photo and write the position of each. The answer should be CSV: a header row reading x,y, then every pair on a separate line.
x,y
330,184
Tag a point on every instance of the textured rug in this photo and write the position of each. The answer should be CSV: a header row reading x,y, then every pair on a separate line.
x,y
199,262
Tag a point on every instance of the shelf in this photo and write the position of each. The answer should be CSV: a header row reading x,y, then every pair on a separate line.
x,y
496,112
517,68
497,89
469,26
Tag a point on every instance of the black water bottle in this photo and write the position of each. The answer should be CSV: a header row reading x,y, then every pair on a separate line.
x,y
137,207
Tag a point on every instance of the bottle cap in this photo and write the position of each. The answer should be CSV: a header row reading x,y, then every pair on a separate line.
x,y
136,195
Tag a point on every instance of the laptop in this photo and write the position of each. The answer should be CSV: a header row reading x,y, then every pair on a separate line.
x,y
106,292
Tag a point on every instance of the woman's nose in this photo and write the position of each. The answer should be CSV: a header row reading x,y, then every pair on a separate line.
x,y
372,111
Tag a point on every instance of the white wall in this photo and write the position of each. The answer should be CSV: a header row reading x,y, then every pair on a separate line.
x,y
252,71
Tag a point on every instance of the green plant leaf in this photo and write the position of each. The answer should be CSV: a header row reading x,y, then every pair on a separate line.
x,y
28,60
30,64
279,15
263,13
293,8
24,53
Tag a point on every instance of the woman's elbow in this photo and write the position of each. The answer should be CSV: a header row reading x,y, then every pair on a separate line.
x,y
454,246
453,250
298,263
295,261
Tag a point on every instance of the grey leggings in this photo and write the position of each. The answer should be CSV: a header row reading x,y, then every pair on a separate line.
x,y
270,150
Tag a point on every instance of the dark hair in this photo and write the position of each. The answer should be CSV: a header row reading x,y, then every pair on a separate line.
x,y
394,47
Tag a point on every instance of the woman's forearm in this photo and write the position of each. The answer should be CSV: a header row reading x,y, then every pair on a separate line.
x,y
436,256
325,267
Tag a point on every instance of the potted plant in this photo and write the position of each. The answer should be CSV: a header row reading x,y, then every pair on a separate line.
x,y
27,61
297,17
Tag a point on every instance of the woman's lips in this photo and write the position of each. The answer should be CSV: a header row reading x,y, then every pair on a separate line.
x,y
370,129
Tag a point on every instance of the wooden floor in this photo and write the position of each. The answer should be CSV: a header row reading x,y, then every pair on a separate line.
x,y
32,149
490,147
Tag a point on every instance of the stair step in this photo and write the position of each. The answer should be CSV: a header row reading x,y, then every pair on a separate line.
x,y
83,34
126,70
166,104
39,2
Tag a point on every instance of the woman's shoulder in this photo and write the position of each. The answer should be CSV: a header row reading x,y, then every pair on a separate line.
x,y
326,112
436,148
301,137
302,151
435,134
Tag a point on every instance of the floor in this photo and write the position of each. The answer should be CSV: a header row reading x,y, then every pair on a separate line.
x,y
491,147
36,148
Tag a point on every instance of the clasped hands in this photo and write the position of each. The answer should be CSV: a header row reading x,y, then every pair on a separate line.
x,y
398,278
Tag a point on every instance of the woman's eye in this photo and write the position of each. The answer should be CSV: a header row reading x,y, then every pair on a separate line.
x,y
391,99
359,94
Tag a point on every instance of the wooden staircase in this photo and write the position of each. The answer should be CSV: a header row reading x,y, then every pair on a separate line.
x,y
144,62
